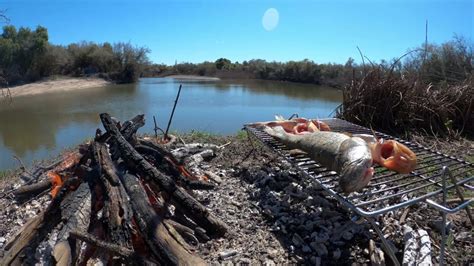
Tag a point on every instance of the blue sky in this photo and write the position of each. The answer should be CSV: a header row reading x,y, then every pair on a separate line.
x,y
195,31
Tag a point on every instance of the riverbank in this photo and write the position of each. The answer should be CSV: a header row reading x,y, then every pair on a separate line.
x,y
63,84
277,216
193,77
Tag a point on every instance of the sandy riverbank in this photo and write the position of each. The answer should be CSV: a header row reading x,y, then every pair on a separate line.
x,y
193,77
64,84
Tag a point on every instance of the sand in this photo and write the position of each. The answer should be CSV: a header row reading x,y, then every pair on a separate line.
x,y
66,84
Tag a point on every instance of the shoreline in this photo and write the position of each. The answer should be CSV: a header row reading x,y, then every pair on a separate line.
x,y
193,77
61,84
241,188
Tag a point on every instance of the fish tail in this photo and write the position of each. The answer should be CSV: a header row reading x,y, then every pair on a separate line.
x,y
276,132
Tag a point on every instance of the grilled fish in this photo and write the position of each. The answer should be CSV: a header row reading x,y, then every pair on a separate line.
x,y
350,157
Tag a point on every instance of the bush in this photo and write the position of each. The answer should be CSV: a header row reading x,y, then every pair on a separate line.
x,y
391,103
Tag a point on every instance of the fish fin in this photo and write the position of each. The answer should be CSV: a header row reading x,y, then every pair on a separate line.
x,y
279,118
370,139
348,134
375,135
276,132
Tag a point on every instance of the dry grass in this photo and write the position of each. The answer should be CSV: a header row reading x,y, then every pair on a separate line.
x,y
394,104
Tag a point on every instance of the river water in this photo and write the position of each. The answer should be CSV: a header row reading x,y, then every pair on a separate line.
x,y
40,126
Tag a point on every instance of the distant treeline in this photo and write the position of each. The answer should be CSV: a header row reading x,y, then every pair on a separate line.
x,y
26,55
449,62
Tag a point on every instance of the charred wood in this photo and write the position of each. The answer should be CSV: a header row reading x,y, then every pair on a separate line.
x,y
136,162
127,253
163,245
22,247
76,214
117,209
165,162
186,232
29,191
128,129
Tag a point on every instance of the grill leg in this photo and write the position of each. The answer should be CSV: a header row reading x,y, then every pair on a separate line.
x,y
443,233
385,243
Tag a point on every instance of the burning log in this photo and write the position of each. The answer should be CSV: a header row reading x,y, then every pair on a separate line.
x,y
33,232
76,216
150,224
116,189
137,163
165,162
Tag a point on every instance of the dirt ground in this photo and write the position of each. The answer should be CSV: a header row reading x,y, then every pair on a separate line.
x,y
276,216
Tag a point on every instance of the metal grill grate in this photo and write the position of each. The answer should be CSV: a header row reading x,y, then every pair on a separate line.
x,y
387,190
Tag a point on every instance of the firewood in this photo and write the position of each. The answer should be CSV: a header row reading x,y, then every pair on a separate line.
x,y
136,162
186,232
76,214
34,231
124,252
377,257
162,244
117,209
29,191
417,250
128,129
165,162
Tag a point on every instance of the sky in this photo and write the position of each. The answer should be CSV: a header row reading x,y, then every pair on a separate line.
x,y
200,30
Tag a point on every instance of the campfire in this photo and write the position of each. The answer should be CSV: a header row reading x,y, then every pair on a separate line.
x,y
120,198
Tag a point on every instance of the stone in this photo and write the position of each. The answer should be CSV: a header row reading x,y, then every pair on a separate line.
x,y
269,263
438,225
321,237
272,253
297,240
306,249
227,254
347,235
243,262
336,254
319,248
315,261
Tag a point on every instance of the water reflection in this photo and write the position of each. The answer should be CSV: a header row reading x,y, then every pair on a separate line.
x,y
35,127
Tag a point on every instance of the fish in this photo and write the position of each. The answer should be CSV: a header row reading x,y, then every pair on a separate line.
x,y
296,125
350,157
390,154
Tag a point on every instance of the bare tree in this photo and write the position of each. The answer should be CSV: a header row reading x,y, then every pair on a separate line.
x,y
5,90
3,17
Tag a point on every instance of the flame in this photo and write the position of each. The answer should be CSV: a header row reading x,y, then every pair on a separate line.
x,y
56,183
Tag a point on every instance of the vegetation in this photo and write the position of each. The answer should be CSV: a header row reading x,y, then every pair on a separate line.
x,y
26,55
305,71
431,92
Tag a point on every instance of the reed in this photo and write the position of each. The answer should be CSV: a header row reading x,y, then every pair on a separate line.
x,y
394,103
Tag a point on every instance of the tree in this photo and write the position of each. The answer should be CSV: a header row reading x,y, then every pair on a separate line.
x,y
223,63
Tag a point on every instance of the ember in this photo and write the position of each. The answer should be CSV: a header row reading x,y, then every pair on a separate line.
x,y
118,199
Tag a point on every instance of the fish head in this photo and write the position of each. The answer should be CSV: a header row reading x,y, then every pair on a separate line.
x,y
356,169
394,156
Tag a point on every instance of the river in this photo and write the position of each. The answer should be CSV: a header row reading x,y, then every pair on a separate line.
x,y
40,126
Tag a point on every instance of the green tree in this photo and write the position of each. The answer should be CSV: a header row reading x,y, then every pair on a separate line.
x,y
223,63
